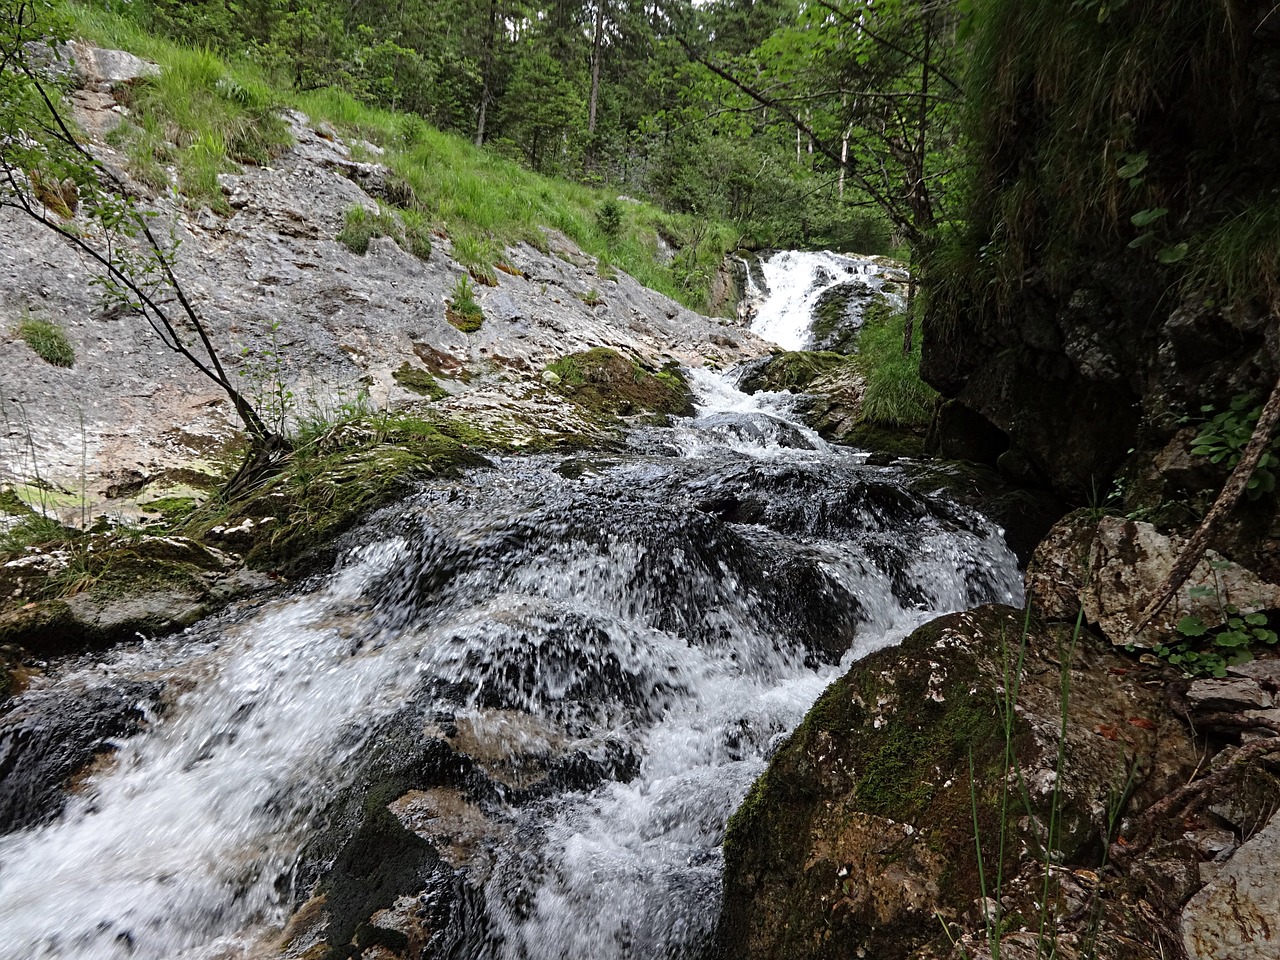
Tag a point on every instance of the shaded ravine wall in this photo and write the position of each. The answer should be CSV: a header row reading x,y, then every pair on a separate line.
x,y
1067,322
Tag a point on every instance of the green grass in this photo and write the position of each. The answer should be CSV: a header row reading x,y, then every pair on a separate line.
x,y
48,341
895,395
205,115
463,310
361,225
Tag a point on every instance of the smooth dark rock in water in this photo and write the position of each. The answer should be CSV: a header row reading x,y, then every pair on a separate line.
x,y
47,738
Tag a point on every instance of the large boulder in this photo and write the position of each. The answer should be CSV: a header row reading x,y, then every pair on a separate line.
x,y
862,837
1113,567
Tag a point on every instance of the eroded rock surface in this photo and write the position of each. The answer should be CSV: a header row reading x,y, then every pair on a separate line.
x,y
271,279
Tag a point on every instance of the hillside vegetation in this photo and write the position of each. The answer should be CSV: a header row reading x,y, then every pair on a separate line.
x,y
206,113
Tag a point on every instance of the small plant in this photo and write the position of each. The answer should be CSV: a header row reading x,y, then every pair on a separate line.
x,y
360,225
48,341
592,298
1201,650
263,371
1223,438
609,221
463,311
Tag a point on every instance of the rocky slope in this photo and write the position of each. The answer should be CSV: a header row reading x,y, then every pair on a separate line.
x,y
271,281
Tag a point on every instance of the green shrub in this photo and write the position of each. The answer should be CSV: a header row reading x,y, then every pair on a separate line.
x,y
48,341
609,221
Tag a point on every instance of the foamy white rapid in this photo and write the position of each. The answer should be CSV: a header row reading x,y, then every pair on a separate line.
x,y
660,619
794,282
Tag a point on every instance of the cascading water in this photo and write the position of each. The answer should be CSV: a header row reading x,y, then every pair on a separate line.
x,y
570,670
795,283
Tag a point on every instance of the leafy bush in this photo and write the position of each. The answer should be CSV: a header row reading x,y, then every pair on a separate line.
x,y
48,341
1223,438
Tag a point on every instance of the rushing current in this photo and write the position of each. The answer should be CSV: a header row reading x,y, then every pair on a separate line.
x,y
791,284
556,678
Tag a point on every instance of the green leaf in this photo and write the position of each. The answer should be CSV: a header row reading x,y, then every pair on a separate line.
x,y
1172,254
1256,619
1132,164
1144,218
1192,627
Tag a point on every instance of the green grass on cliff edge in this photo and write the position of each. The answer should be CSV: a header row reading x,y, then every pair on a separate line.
x,y
205,115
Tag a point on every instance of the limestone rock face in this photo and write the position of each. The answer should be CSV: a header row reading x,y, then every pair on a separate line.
x,y
270,279
1112,567
860,836
1237,914
1128,562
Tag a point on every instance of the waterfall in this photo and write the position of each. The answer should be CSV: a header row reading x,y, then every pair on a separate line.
x,y
795,283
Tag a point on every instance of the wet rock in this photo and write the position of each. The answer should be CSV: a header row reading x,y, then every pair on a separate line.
x,y
756,428
131,586
793,370
1129,560
860,835
46,738
1237,914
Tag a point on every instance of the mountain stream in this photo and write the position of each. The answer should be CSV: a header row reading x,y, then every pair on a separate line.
x,y
565,673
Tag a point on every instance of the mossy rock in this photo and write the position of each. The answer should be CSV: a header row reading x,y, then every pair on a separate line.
x,y
468,322
861,834
289,523
419,381
792,370
605,383
836,321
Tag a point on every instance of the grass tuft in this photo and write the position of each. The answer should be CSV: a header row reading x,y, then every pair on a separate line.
x,y
895,394
48,341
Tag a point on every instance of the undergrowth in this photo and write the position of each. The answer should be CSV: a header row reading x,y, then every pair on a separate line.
x,y
895,395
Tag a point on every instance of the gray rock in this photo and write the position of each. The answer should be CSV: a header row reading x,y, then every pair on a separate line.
x,y
1237,914
1236,694
270,279
1129,560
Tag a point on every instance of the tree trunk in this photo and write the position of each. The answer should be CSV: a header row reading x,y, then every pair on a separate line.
x,y
486,81
597,55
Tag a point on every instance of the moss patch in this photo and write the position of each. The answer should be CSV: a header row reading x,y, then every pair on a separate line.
x,y
419,381
604,383
887,746
793,370
334,479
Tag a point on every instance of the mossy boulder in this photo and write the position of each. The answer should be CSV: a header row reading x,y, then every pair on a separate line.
x,y
289,524
838,315
861,838
605,383
792,370
88,590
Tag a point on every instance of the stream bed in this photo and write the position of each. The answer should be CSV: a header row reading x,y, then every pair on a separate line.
x,y
519,711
